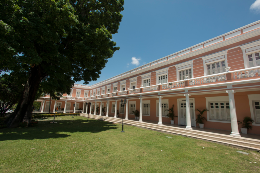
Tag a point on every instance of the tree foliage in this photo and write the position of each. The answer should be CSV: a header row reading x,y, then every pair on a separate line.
x,y
54,43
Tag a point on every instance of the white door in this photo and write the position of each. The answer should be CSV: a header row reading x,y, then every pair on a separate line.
x,y
102,108
58,105
47,107
182,113
77,106
68,106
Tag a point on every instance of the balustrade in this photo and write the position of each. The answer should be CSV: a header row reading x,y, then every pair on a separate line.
x,y
134,91
150,88
246,73
122,93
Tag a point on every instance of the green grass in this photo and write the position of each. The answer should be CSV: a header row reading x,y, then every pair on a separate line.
x,y
75,145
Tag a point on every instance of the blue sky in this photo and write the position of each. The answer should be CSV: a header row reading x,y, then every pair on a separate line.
x,y
152,29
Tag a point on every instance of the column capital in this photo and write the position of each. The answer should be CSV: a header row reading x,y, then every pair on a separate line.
x,y
159,96
187,94
230,91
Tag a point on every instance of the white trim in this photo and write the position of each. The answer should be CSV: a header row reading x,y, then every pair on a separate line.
x,y
163,102
146,102
112,106
253,97
216,99
192,100
129,103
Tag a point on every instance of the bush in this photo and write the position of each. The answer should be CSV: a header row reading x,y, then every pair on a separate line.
x,y
40,116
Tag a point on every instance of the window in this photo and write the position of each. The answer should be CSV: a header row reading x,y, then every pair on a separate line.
x,y
185,73
132,107
78,92
146,109
94,93
108,90
85,93
121,110
98,93
103,91
146,82
256,109
253,59
115,89
133,84
219,111
162,79
216,67
122,87
165,107
58,106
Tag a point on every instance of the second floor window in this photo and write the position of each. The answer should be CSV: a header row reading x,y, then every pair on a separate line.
x,y
146,82
98,93
103,91
185,74
122,87
162,79
78,94
216,67
108,90
86,94
254,59
115,89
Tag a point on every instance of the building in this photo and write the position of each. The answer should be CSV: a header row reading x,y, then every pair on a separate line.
x,y
221,74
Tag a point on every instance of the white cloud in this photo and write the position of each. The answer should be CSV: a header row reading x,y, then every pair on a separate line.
x,y
135,61
255,5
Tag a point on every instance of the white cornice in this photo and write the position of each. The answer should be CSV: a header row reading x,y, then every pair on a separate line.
x,y
246,32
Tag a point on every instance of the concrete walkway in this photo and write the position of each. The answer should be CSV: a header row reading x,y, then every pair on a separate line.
x,y
220,136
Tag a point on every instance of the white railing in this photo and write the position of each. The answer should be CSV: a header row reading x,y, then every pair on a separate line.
x,y
122,93
246,73
176,84
98,96
113,94
150,88
208,79
134,91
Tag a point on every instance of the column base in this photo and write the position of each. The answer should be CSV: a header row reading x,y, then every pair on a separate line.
x,y
106,115
188,128
235,134
140,120
159,123
126,118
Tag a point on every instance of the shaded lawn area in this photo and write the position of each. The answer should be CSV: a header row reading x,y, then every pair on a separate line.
x,y
78,145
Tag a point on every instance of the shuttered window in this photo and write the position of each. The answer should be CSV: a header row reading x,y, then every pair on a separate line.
x,y
216,67
219,111
146,108
256,107
113,108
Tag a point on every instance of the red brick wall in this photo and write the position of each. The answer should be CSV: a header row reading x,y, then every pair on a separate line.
x,y
198,69
235,59
139,82
127,84
153,78
172,74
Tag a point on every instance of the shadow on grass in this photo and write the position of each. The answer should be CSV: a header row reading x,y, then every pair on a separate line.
x,y
62,129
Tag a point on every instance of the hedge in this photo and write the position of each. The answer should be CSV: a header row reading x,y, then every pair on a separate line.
x,y
52,115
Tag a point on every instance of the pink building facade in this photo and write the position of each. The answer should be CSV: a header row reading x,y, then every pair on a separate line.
x,y
221,75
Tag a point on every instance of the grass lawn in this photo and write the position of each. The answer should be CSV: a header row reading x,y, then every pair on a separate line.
x,y
78,145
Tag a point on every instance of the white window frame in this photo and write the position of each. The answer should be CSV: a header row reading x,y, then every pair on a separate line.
x,y
147,81
253,97
222,69
160,73
78,95
86,93
113,103
94,93
149,111
57,103
109,88
222,56
215,99
122,87
130,111
253,57
184,66
164,101
185,71
98,92
103,91
133,82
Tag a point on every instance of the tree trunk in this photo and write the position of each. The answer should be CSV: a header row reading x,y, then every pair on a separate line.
x,y
23,111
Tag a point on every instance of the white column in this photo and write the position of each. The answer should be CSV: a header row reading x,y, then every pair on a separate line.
x,y
115,109
100,109
65,107
83,107
86,108
188,120
54,106
90,108
42,108
126,110
95,108
74,109
160,110
107,108
233,114
141,110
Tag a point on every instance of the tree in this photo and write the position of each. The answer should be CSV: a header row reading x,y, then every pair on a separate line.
x,y
55,43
